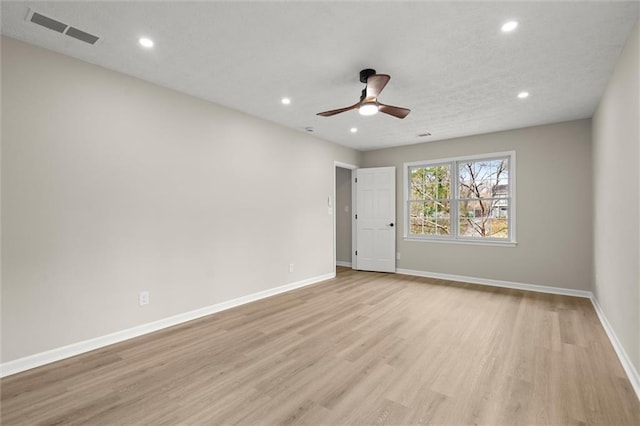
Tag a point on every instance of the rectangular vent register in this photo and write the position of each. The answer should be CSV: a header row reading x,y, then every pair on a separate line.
x,y
61,27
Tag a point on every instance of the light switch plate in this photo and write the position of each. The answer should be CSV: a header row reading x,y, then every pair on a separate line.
x,y
144,298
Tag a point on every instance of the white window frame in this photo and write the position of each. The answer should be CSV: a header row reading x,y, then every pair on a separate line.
x,y
453,238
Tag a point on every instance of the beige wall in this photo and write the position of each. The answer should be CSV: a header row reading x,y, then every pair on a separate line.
x,y
111,185
553,208
616,137
343,215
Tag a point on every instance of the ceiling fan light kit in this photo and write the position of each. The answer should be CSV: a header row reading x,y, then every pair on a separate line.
x,y
368,108
368,104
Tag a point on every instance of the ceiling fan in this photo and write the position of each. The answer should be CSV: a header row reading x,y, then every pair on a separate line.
x,y
368,104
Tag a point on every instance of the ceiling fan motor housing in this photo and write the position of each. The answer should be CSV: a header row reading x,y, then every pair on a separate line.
x,y
363,94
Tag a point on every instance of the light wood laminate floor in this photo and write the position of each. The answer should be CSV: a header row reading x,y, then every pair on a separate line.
x,y
364,348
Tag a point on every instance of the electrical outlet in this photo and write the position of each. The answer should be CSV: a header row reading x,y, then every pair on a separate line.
x,y
144,298
291,267
398,256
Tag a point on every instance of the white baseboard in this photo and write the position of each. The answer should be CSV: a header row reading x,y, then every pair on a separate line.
x,y
42,358
627,365
498,283
341,263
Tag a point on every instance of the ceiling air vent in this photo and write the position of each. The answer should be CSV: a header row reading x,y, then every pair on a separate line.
x,y
61,27
47,22
82,36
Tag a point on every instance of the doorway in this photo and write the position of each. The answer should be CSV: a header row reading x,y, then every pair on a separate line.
x,y
343,214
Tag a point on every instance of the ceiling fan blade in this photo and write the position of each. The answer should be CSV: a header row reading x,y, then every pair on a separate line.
x,y
394,110
375,84
338,111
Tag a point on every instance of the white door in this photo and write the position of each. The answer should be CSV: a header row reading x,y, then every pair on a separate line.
x,y
376,219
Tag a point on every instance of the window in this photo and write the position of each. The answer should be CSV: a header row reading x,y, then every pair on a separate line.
x,y
461,199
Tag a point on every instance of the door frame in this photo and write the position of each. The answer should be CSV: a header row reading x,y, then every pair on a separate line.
x,y
336,165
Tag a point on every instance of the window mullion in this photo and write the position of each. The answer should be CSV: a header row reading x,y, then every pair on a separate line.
x,y
454,200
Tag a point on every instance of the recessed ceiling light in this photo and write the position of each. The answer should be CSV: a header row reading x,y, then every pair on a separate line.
x,y
354,130
286,101
523,95
145,42
509,26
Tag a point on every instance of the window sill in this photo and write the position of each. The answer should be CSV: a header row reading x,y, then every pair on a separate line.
x,y
465,242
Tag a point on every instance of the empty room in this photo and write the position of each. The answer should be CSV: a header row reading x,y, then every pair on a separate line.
x,y
336,213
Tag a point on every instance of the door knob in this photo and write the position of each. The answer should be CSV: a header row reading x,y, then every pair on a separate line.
x,y
391,224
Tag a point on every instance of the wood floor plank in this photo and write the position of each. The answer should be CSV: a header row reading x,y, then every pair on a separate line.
x,y
364,348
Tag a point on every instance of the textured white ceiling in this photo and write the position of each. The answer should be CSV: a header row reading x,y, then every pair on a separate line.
x,y
448,61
